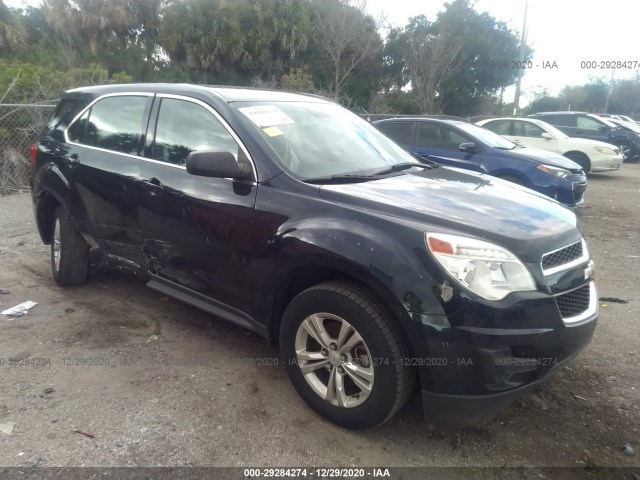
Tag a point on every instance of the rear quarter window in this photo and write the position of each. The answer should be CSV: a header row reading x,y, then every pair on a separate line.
x,y
65,112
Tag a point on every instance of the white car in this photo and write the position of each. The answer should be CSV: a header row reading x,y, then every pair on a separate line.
x,y
591,155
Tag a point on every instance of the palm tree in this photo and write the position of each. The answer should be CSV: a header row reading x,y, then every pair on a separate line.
x,y
286,25
205,34
12,32
90,21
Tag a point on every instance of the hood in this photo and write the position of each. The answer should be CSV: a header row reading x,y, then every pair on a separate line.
x,y
628,126
446,199
546,157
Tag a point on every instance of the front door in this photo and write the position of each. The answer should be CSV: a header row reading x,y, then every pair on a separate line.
x,y
530,135
441,143
196,230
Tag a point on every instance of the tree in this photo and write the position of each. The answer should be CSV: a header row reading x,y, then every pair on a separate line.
x,y
12,32
90,21
278,30
346,36
205,34
489,53
432,57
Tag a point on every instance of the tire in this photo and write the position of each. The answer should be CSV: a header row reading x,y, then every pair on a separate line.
x,y
625,150
581,159
69,251
376,359
512,179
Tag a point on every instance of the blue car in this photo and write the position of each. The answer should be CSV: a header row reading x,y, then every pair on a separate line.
x,y
464,145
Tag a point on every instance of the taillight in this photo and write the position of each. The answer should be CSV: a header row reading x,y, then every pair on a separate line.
x,y
33,150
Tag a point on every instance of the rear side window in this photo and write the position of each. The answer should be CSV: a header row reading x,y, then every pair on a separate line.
x,y
400,132
184,127
113,123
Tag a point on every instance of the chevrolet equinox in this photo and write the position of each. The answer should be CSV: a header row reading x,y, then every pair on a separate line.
x,y
377,272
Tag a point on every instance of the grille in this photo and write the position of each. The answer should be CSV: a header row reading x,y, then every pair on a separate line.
x,y
562,256
573,303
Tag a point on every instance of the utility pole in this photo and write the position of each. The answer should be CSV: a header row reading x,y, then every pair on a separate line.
x,y
523,42
606,105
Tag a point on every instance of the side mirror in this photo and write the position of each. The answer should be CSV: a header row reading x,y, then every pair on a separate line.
x,y
603,128
546,136
468,147
217,164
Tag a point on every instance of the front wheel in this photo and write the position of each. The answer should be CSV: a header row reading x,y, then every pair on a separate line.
x,y
581,159
69,251
344,355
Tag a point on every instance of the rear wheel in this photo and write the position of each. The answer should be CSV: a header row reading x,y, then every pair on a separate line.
x,y
581,159
69,251
344,355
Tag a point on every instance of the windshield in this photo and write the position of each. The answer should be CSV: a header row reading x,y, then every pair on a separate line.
x,y
606,121
487,136
318,139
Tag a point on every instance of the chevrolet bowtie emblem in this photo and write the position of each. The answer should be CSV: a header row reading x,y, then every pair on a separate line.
x,y
590,271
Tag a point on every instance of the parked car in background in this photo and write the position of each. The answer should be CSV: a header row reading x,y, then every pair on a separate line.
x,y
624,118
625,124
294,218
465,145
591,155
587,125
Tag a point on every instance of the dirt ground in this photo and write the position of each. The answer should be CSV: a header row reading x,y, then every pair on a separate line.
x,y
159,383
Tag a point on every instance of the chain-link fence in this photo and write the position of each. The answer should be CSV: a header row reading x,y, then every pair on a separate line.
x,y
20,125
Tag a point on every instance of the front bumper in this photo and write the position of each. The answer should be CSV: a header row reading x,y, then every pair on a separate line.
x,y
492,354
606,163
468,410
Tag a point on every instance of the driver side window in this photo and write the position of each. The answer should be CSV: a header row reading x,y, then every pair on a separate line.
x,y
184,127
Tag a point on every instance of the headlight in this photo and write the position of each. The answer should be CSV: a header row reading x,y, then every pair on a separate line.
x,y
555,171
606,150
484,268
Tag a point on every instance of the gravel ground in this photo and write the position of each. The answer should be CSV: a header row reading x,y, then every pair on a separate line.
x,y
159,383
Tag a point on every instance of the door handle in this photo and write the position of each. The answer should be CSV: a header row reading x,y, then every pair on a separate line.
x,y
153,186
71,159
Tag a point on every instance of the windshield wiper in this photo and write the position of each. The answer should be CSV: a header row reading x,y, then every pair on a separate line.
x,y
404,166
341,179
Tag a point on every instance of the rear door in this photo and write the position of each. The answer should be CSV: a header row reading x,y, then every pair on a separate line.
x,y
442,143
197,230
102,156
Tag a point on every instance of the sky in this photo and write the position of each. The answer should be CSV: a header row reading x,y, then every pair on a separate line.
x,y
566,32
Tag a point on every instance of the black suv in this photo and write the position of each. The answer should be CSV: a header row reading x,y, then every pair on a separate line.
x,y
593,127
374,270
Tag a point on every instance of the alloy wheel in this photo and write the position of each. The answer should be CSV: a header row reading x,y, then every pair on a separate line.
x,y
334,360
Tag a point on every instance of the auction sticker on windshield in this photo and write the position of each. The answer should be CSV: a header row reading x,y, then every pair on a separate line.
x,y
266,115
